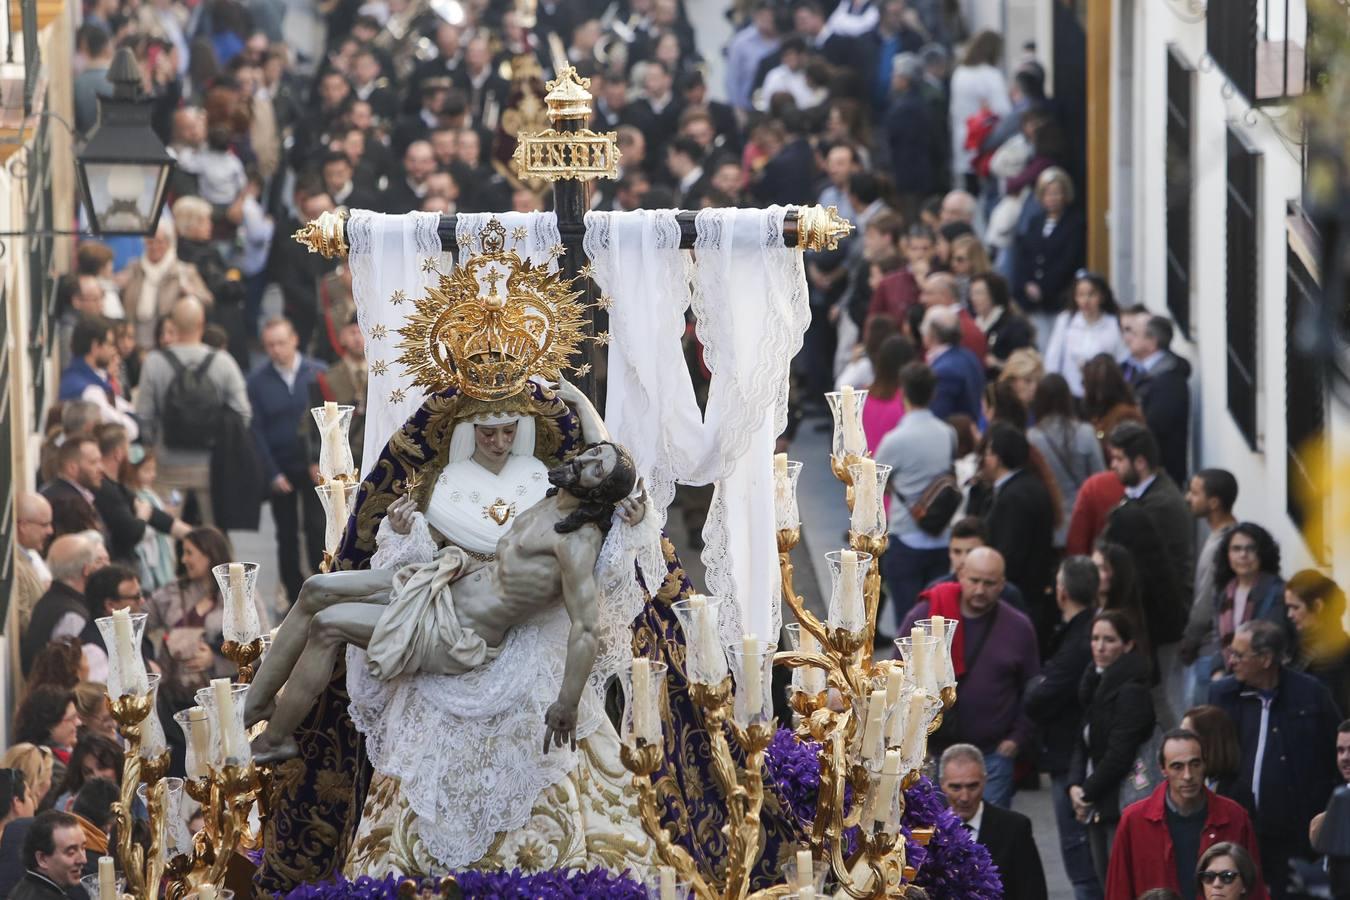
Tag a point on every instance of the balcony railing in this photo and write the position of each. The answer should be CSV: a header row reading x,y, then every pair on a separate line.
x,y
1260,45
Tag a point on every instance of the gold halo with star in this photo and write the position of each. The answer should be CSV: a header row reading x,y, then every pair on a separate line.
x,y
491,324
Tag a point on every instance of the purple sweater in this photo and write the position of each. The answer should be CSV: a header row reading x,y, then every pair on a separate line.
x,y
989,697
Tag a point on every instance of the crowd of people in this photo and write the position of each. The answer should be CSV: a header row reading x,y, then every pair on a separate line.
x,y
1121,631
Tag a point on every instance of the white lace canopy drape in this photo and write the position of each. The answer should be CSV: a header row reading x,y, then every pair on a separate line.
x,y
387,254
749,297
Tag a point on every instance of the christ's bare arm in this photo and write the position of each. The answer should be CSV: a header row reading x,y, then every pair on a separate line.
x,y
576,554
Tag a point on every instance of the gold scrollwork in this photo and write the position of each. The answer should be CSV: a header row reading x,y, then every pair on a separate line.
x,y
554,155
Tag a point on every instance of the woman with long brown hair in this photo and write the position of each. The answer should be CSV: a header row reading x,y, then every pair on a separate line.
x,y
1107,398
186,619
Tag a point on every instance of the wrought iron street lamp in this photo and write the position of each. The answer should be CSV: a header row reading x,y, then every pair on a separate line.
x,y
124,168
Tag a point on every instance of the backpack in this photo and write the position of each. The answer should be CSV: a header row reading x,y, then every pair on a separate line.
x,y
193,405
934,509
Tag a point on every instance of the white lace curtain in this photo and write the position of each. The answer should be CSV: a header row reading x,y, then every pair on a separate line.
x,y
748,293
387,256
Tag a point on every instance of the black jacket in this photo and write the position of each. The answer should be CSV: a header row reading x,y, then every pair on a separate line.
x,y
1163,597
1048,260
237,483
1052,699
1021,523
1118,712
71,513
115,503
1164,395
35,887
11,854
1010,331
1007,835
1298,768
789,177
1175,525
915,144
60,599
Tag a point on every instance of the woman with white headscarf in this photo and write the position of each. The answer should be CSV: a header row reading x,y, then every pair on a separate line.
x,y
158,280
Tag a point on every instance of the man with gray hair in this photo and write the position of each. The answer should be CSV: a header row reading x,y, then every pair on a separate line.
x,y
62,611
1286,723
1005,833
1052,703
914,135
941,289
960,374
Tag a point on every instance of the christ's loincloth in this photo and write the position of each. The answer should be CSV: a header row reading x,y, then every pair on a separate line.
x,y
420,630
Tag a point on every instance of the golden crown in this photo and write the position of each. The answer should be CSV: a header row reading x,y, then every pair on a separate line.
x,y
486,338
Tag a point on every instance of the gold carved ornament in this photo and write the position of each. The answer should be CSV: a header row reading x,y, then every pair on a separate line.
x,y
553,155
491,324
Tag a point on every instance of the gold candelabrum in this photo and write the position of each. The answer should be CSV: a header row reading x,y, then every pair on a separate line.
x,y
871,718
221,774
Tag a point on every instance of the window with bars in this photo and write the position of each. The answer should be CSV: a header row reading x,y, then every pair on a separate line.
x,y
1178,186
1242,290
1304,398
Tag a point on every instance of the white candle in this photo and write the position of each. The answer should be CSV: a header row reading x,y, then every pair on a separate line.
x,y
876,718
780,465
712,659
923,664
895,680
806,893
813,678
752,681
224,696
667,882
850,598
942,656
886,784
865,500
642,697
107,878
915,731
806,878
199,736
206,892
237,604
854,441
337,498
132,666
332,419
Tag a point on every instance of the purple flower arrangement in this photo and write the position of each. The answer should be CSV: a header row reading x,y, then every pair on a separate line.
x,y
555,884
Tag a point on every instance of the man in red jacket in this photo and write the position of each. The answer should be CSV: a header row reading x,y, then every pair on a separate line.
x,y
1160,839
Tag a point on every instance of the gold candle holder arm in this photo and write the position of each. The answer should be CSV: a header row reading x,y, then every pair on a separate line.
x,y
797,603
643,761
876,546
244,656
130,711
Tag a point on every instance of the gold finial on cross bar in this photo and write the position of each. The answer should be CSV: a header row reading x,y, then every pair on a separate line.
x,y
569,96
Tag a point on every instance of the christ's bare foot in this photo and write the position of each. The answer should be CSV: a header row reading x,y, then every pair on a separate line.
x,y
265,752
255,712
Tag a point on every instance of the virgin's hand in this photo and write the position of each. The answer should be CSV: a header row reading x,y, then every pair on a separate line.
x,y
401,514
569,392
633,510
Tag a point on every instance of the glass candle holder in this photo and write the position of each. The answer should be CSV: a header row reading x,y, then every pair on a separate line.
x,y
908,729
153,741
644,684
195,724
943,669
751,662
846,408
793,874
663,884
122,635
238,583
229,738
337,498
919,651
335,449
705,662
882,804
869,492
805,679
90,885
787,517
207,892
177,838
848,574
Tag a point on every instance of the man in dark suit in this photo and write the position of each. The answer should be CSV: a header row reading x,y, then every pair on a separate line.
x,y
657,112
960,374
483,89
1020,520
1005,833
126,515
279,391
1052,703
53,854
1160,380
789,176
79,475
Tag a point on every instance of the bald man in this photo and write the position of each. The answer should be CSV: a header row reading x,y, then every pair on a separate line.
x,y
958,207
941,289
62,611
32,578
995,655
184,453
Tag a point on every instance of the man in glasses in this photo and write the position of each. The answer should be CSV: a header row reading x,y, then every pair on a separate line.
x,y
1286,723
108,590
1161,838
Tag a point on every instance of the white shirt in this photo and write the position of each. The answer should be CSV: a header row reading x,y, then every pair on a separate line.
x,y
1075,340
974,87
288,375
1134,493
975,822
782,80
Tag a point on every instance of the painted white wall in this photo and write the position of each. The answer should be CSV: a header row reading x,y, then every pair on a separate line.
x,y
1216,438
